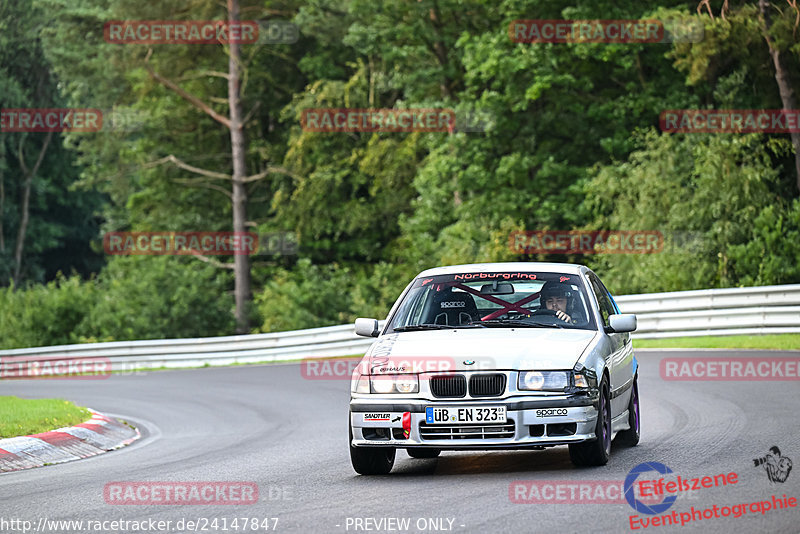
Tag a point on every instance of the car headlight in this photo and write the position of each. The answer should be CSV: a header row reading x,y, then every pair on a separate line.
x,y
361,385
383,384
406,384
584,378
543,380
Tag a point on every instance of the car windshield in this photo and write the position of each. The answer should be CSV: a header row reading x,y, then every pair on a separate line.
x,y
494,300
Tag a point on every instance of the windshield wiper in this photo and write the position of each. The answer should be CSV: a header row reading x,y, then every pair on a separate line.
x,y
516,322
429,326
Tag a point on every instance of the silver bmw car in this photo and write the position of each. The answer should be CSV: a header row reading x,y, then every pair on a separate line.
x,y
496,356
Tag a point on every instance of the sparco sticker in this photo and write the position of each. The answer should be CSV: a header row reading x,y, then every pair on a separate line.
x,y
553,412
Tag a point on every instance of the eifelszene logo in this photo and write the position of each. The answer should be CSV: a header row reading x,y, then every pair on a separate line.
x,y
777,467
637,504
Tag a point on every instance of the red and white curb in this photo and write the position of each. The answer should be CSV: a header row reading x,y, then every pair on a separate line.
x,y
96,436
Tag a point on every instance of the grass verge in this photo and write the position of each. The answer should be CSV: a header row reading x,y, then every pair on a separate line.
x,y
22,417
768,341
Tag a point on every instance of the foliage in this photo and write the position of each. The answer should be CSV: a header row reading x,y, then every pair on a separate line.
x,y
144,297
709,187
311,295
62,221
307,297
133,298
47,314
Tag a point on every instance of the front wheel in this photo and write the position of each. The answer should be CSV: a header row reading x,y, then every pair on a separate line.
x,y
597,451
371,460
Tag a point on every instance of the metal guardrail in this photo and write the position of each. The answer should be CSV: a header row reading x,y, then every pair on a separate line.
x,y
329,341
750,310
744,310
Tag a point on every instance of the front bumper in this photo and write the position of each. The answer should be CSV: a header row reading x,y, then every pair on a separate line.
x,y
532,422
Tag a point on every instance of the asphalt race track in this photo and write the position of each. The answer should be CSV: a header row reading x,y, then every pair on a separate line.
x,y
269,425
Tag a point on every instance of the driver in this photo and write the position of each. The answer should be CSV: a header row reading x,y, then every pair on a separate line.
x,y
558,298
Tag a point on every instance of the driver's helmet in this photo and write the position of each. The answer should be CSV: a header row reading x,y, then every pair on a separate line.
x,y
555,289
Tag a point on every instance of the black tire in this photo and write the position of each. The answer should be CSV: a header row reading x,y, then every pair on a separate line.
x,y
630,437
423,452
597,451
371,460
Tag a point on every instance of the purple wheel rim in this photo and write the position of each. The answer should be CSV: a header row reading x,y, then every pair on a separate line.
x,y
606,421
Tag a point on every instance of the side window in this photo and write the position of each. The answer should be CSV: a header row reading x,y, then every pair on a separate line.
x,y
603,300
415,311
610,297
410,311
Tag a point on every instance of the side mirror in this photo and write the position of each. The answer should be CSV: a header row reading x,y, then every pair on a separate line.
x,y
367,327
622,322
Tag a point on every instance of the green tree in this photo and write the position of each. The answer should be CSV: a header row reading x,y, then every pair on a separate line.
x,y
142,297
44,314
718,189
45,225
190,165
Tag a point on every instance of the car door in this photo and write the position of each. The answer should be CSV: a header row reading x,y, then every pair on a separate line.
x,y
627,358
621,358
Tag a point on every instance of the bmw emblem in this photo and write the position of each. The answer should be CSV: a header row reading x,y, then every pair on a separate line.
x,y
469,362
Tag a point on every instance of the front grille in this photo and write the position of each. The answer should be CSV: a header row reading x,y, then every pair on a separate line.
x,y
449,386
439,432
492,385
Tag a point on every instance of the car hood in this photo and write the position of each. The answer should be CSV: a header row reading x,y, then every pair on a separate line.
x,y
485,348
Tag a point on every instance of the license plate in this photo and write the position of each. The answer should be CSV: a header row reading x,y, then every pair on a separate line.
x,y
448,415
